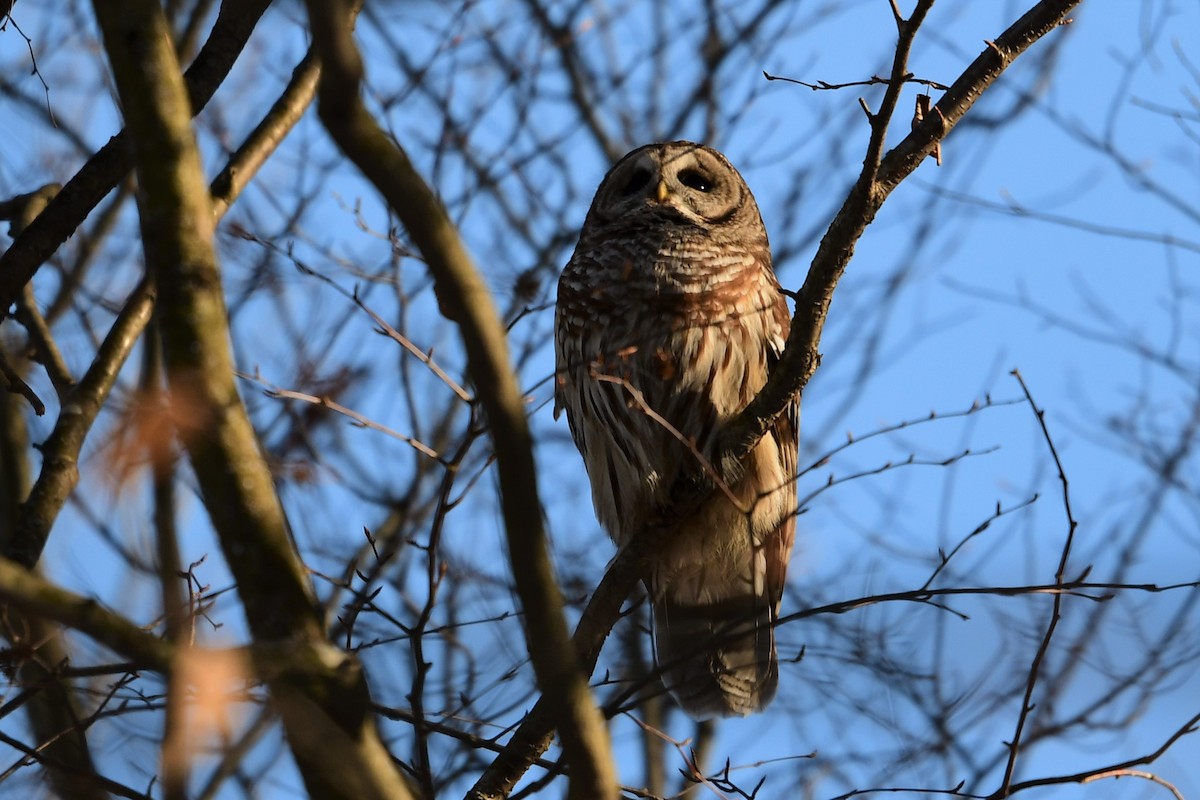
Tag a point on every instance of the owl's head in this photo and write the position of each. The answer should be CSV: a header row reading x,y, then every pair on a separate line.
x,y
676,181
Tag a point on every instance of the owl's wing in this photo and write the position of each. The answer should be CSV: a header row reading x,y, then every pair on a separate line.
x,y
786,432
568,338
717,587
560,339
581,338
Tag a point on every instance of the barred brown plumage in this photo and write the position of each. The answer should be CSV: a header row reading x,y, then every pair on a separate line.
x,y
669,316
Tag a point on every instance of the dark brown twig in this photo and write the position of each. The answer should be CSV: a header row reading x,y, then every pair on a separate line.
x,y
1060,577
874,80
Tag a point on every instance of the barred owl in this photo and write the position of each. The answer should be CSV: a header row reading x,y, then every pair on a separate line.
x,y
669,317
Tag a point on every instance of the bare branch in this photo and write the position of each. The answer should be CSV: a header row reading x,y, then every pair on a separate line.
x,y
465,299
60,452
104,170
35,595
875,184
874,80
1111,770
324,711
1060,577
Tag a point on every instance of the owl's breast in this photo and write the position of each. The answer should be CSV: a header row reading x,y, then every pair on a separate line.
x,y
670,276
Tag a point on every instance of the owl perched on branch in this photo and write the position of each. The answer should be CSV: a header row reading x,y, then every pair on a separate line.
x,y
669,317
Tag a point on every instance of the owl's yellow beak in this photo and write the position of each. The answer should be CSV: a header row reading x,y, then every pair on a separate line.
x,y
662,193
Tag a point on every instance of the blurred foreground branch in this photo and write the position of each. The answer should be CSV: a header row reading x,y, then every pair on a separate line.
x,y
324,702
104,170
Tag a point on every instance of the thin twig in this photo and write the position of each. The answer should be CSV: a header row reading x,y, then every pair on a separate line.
x,y
360,420
422,356
706,465
1056,612
874,80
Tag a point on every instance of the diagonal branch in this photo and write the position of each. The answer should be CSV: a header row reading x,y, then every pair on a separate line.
x,y
34,595
464,299
104,170
801,357
322,695
80,407
1111,770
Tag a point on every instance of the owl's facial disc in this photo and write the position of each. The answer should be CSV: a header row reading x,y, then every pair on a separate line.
x,y
672,182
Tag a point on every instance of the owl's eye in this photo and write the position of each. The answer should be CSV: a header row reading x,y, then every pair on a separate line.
x,y
636,181
696,180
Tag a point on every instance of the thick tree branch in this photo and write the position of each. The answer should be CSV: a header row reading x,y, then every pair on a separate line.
x,y
35,595
323,702
177,230
987,67
464,298
80,407
283,115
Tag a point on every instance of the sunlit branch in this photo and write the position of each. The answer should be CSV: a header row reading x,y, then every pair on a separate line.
x,y
1108,771
36,595
880,175
466,300
360,420
279,120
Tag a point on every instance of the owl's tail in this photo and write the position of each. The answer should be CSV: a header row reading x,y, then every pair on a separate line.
x,y
717,659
